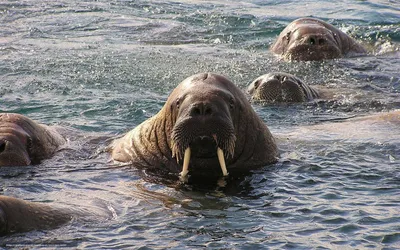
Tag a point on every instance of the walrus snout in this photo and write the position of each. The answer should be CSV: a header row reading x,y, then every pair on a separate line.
x,y
203,132
309,45
281,87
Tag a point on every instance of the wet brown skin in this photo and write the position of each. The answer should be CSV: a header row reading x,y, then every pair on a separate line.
x,y
24,142
279,87
311,39
205,111
17,215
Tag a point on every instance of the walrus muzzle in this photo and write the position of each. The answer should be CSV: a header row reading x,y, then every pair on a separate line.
x,y
278,87
201,135
312,52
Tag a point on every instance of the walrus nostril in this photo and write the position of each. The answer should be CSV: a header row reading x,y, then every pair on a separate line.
x,y
201,109
311,40
207,111
195,111
2,146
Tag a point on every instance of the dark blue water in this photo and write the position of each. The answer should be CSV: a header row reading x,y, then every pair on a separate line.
x,y
100,68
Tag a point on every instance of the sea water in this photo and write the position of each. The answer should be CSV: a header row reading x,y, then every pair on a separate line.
x,y
100,68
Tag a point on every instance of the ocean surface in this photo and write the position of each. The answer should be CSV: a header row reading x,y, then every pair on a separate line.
x,y
100,68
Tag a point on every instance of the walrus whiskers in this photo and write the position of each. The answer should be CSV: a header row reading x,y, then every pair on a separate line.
x,y
281,87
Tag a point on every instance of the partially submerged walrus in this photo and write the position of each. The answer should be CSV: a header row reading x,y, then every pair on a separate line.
x,y
24,142
17,215
206,125
311,39
382,128
279,87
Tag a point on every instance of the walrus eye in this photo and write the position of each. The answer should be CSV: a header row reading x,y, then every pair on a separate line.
x,y
288,35
231,103
178,103
29,144
335,36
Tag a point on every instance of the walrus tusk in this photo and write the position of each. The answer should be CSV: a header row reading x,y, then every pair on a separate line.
x,y
221,160
186,160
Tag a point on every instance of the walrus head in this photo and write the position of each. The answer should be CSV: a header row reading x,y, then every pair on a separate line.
x,y
309,40
15,144
24,142
280,87
204,130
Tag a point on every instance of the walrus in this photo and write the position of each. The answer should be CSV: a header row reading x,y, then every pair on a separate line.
x,y
24,142
279,87
311,39
207,125
17,215
382,127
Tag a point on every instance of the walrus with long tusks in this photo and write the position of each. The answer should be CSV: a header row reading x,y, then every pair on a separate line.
x,y
207,126
281,87
17,215
24,142
311,39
